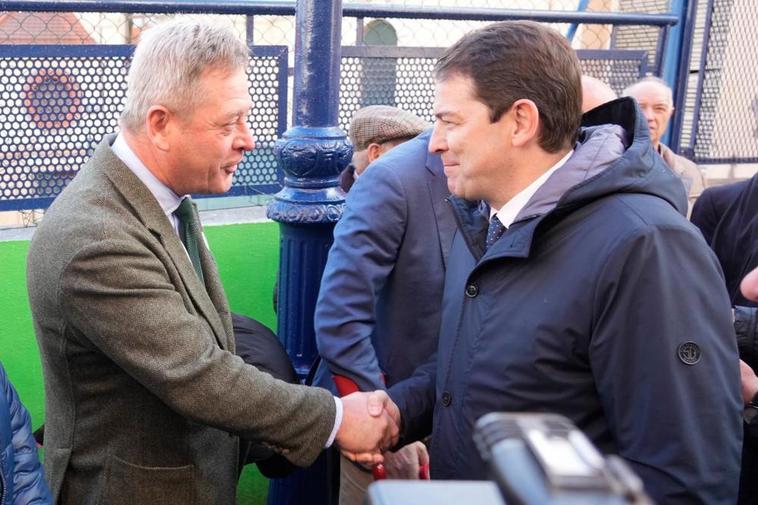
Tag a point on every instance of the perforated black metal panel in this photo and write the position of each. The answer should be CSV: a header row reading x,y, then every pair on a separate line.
x,y
618,69
403,77
57,103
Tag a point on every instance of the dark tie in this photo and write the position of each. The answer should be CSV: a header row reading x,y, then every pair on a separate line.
x,y
189,232
494,231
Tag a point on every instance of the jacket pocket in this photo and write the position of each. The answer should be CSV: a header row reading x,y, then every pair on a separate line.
x,y
134,484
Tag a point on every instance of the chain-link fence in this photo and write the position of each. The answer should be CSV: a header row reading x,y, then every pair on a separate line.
x,y
721,108
62,73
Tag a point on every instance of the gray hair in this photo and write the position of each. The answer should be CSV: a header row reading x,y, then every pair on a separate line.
x,y
629,90
169,61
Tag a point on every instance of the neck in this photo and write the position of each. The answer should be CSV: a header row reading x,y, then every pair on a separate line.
x,y
146,152
515,180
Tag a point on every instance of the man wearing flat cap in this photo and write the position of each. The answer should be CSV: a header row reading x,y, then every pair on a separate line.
x,y
378,311
374,130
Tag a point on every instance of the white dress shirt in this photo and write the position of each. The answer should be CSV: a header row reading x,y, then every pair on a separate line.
x,y
508,212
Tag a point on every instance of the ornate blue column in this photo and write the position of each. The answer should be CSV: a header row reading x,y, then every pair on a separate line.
x,y
312,154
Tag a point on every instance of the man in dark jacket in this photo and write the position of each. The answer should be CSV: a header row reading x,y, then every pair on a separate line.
x,y
22,481
728,217
574,284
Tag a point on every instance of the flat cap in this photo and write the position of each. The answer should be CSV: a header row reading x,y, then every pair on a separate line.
x,y
382,123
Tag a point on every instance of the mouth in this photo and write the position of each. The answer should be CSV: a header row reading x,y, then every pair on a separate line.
x,y
231,168
450,167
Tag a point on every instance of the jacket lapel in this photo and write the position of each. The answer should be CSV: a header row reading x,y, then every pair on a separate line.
x,y
147,209
438,192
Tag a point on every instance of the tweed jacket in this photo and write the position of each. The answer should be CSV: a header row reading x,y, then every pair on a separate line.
x,y
144,396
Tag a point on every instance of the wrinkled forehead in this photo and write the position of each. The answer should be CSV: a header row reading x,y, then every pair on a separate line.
x,y
651,93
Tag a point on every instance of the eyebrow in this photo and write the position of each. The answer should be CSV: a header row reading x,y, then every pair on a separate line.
x,y
441,113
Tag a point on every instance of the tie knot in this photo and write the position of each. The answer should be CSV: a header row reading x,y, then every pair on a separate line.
x,y
494,231
185,212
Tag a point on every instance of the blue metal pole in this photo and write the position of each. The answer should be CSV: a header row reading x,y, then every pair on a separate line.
x,y
682,80
312,154
573,26
676,56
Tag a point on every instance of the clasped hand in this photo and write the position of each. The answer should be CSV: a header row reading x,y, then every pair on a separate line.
x,y
370,425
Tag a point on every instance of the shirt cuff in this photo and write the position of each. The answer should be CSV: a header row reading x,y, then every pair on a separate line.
x,y
337,422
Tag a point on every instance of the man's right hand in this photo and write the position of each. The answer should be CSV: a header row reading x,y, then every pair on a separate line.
x,y
370,424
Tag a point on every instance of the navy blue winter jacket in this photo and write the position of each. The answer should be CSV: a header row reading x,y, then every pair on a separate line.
x,y
600,303
21,479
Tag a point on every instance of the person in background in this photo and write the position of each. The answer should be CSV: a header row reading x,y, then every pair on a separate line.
x,y
655,98
727,216
595,93
378,310
374,130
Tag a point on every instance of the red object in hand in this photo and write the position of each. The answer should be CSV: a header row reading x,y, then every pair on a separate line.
x,y
379,472
423,472
345,386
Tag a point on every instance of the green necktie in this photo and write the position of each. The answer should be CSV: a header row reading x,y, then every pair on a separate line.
x,y
189,232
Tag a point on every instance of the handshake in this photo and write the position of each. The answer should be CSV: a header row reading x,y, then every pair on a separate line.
x,y
370,426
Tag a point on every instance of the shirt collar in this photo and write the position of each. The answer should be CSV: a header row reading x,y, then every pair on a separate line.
x,y
167,199
508,212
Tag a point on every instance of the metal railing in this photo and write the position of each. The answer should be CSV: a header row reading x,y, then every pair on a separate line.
x,y
60,97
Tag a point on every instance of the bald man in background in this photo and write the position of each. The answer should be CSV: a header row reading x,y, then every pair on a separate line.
x,y
595,92
657,103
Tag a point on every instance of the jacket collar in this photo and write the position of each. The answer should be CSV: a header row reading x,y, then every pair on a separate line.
x,y
613,155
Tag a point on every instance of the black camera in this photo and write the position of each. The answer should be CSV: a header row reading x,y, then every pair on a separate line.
x,y
535,459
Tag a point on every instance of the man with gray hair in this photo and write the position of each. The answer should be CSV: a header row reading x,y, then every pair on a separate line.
x,y
145,398
374,130
657,103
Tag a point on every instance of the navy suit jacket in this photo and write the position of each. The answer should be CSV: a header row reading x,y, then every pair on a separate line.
x,y
378,311
728,217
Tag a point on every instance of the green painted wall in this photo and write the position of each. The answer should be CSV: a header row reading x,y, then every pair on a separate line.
x,y
248,259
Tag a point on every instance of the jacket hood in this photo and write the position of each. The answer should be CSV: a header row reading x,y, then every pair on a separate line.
x,y
613,155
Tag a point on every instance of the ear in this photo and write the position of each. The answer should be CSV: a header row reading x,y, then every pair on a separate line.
x,y
373,151
158,125
526,122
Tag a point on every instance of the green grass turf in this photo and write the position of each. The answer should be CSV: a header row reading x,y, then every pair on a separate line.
x,y
248,259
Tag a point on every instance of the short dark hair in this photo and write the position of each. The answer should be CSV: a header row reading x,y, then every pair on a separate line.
x,y
512,60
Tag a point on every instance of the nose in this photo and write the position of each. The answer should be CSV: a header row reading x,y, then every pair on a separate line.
x,y
438,142
244,140
648,113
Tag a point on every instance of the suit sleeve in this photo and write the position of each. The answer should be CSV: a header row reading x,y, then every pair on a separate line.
x,y
363,255
119,296
664,358
29,484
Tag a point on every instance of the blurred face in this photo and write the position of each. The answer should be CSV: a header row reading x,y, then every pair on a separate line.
x,y
655,103
473,148
207,143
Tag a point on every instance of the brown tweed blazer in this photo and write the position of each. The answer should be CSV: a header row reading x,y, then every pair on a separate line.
x,y
144,396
